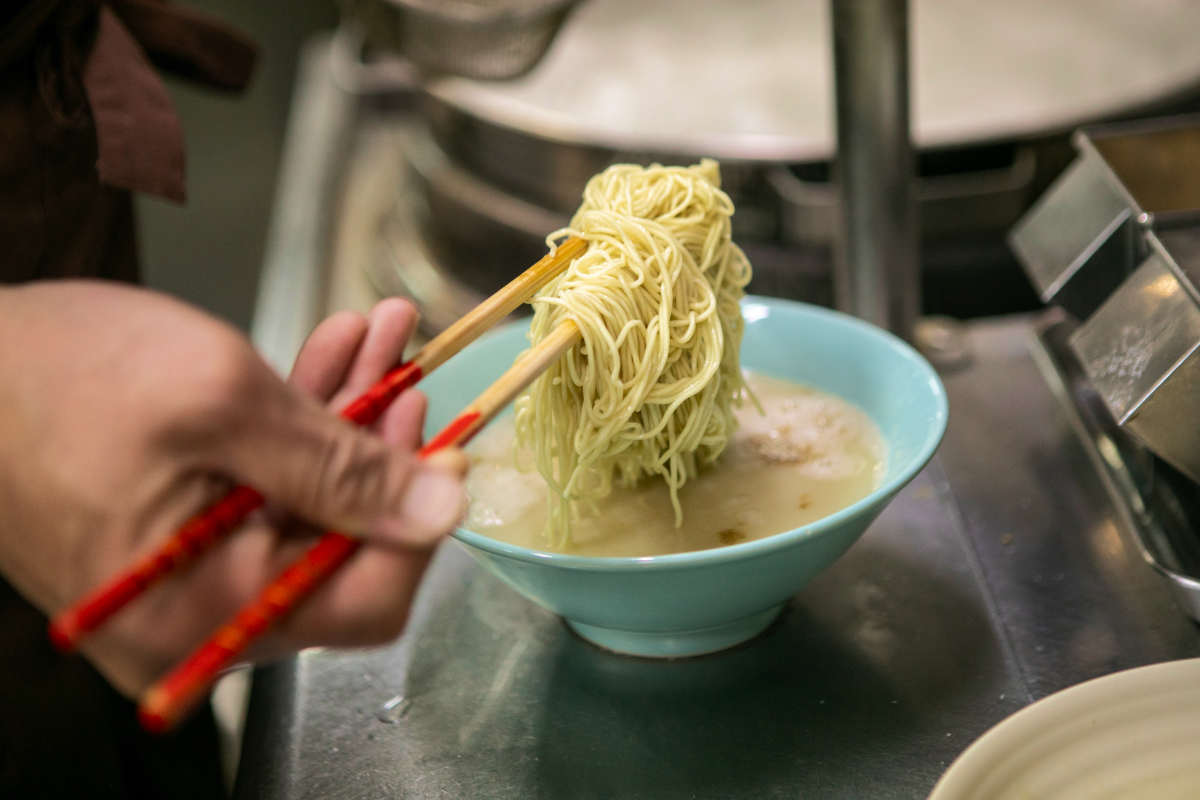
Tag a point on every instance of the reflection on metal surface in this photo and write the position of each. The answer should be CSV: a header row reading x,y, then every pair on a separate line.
x,y
290,287
876,273
944,341
403,265
1161,506
393,710
489,40
1157,166
1086,233
1109,539
984,200
721,78
1078,241
473,198
1140,351
1163,287
500,685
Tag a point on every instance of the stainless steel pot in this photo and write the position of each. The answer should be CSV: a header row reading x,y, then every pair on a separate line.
x,y
503,163
746,81
482,39
674,80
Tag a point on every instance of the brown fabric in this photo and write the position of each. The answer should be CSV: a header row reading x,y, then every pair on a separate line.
x,y
139,136
189,44
84,118
56,218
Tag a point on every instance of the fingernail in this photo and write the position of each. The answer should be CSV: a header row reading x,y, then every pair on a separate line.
x,y
432,505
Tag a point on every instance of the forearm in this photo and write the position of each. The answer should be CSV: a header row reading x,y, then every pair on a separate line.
x,y
20,547
10,430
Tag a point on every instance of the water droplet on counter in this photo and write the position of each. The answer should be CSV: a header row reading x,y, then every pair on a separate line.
x,y
393,710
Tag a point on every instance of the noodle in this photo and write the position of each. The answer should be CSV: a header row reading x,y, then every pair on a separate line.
x,y
648,390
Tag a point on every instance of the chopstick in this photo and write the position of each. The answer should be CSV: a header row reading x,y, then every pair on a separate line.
x,y
166,702
201,532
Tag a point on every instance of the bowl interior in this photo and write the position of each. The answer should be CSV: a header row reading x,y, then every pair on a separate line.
x,y
830,351
858,362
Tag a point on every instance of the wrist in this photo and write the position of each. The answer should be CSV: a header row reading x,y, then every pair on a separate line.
x,y
8,342
9,430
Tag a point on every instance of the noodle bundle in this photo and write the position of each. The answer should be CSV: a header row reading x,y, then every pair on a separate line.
x,y
648,390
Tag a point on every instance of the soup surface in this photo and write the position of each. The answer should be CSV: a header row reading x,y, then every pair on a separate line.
x,y
811,454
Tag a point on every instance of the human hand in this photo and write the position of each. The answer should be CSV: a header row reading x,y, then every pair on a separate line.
x,y
123,413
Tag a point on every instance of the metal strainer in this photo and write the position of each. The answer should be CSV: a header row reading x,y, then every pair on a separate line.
x,y
482,39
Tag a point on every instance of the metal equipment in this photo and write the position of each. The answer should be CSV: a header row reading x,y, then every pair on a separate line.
x,y
482,39
1116,241
501,164
876,271
1014,566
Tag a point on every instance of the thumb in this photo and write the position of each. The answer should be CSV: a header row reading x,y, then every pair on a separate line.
x,y
330,472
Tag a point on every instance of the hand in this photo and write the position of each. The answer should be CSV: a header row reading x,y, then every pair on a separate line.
x,y
123,413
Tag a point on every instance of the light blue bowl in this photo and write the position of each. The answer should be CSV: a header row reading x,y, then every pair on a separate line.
x,y
686,604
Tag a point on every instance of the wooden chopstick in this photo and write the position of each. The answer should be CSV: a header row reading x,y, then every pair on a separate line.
x,y
169,700
201,532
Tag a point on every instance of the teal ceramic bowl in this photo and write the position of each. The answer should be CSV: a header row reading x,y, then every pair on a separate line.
x,y
686,604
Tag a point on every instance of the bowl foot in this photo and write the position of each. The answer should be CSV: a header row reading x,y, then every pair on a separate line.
x,y
677,644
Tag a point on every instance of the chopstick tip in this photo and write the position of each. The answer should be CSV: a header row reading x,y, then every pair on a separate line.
x,y
63,635
153,711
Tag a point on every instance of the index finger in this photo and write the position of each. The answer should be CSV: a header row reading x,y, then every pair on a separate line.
x,y
390,324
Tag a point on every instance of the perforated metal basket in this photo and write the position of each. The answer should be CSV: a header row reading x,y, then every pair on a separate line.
x,y
482,39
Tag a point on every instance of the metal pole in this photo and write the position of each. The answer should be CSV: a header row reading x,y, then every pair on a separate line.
x,y
876,268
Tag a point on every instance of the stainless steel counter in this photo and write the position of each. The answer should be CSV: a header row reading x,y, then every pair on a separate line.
x,y
1003,573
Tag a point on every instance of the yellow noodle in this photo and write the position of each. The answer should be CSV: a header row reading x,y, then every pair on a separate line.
x,y
648,390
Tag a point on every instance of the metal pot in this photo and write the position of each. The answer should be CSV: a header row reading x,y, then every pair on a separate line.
x,y
749,83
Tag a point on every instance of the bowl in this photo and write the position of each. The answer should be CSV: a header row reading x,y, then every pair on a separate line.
x,y
685,604
1131,735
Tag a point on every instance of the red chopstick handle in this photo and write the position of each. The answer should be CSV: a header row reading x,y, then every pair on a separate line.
x,y
194,538
371,404
457,432
169,700
205,529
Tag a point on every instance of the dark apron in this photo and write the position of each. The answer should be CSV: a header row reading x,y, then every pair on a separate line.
x,y
85,121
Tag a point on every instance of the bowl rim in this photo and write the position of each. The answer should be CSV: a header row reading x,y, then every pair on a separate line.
x,y
778,541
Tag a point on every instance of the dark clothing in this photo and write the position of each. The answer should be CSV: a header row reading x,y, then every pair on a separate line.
x,y
65,733
84,120
56,218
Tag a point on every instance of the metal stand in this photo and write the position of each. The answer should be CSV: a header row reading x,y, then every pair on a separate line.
x,y
876,272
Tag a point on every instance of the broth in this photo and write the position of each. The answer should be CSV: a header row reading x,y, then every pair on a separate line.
x,y
811,455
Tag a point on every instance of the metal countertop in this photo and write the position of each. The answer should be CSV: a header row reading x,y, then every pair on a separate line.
x,y
1003,573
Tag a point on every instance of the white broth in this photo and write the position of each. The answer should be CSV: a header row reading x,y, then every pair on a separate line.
x,y
810,455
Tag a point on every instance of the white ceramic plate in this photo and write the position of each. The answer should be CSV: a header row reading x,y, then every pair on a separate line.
x,y
1133,735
